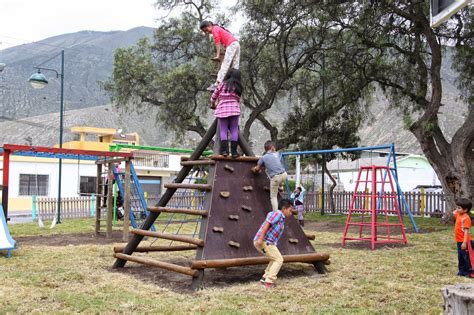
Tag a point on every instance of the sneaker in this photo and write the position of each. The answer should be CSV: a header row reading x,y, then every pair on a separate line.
x,y
269,285
212,87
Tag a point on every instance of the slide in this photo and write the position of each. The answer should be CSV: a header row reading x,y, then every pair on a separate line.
x,y
6,241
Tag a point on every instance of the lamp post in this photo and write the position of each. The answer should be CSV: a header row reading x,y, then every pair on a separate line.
x,y
38,81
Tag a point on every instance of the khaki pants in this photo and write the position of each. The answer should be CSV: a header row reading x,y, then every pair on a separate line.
x,y
275,182
231,58
276,261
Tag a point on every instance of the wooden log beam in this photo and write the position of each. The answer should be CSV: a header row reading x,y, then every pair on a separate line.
x,y
160,264
234,262
198,162
217,157
172,237
206,187
146,249
178,210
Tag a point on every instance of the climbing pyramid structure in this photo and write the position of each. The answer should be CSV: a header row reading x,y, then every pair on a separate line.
x,y
236,204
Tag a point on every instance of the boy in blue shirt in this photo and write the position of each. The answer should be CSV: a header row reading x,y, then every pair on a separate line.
x,y
270,161
266,240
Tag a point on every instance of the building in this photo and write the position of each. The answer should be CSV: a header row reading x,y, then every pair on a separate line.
x,y
30,176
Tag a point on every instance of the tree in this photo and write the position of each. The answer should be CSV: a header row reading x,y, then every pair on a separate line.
x,y
392,45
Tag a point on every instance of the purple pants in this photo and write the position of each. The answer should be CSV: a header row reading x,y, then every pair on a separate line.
x,y
229,123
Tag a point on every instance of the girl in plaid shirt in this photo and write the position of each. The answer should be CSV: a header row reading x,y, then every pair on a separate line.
x,y
266,240
227,96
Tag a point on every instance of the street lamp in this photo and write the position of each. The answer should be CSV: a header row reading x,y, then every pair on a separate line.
x,y
38,81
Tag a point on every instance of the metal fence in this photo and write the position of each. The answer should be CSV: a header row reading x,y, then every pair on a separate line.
x,y
430,204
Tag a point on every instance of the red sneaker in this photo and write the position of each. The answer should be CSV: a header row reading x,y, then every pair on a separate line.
x,y
269,285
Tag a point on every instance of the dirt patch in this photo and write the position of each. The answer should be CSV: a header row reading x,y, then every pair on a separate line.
x,y
324,226
68,239
213,278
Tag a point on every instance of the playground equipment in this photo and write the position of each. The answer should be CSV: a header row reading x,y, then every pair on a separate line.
x,y
391,159
6,241
236,204
372,202
183,224
101,157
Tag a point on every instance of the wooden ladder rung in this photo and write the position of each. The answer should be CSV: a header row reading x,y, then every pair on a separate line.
x,y
198,162
189,186
172,237
146,249
178,210
161,264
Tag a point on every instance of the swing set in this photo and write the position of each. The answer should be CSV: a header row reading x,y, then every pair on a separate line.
x,y
382,195
100,157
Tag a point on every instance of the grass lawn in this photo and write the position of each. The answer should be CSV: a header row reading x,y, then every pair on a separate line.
x,y
42,277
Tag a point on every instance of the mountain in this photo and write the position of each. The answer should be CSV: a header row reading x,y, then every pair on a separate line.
x,y
88,59
31,116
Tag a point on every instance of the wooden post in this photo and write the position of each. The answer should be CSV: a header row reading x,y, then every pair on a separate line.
x,y
98,199
110,198
458,299
126,215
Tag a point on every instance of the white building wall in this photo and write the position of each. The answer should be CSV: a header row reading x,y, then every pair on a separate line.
x,y
69,181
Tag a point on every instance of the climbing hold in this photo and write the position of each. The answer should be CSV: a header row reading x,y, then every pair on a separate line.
x,y
218,229
233,244
293,241
233,217
248,188
229,168
266,188
225,194
247,208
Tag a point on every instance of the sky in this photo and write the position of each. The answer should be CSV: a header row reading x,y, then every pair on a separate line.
x,y
25,21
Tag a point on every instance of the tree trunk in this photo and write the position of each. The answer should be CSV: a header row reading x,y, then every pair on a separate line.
x,y
331,191
458,299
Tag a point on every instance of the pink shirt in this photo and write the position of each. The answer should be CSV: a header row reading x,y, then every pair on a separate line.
x,y
221,36
228,102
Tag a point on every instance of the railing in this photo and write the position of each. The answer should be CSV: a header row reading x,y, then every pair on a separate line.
x,y
71,207
151,160
431,204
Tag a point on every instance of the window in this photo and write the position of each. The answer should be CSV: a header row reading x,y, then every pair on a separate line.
x,y
31,184
87,185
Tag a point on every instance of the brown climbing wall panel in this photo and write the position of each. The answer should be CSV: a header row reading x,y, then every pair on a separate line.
x,y
241,212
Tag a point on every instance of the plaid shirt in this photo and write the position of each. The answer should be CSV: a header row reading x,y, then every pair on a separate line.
x,y
276,219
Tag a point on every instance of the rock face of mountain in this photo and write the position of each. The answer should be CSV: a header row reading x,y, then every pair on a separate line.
x,y
88,58
29,116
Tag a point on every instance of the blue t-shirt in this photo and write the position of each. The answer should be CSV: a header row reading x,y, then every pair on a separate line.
x,y
271,161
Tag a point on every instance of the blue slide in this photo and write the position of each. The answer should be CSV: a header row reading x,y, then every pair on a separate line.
x,y
6,241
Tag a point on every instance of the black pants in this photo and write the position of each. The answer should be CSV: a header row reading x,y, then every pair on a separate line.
x,y
464,263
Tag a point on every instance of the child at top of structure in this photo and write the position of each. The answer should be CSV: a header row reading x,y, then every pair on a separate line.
x,y
298,201
270,161
231,45
227,95
267,237
463,237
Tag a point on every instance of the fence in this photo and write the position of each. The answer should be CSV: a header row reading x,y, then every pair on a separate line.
x,y
431,204
83,207
71,207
